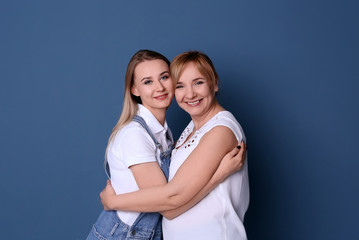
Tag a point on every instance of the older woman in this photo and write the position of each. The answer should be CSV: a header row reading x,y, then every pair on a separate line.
x,y
212,133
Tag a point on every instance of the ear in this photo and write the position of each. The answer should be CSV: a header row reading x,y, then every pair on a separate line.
x,y
216,87
134,91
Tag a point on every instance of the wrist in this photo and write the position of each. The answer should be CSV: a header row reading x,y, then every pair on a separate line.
x,y
113,204
109,203
217,178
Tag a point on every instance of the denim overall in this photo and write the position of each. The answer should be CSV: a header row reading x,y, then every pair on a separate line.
x,y
147,225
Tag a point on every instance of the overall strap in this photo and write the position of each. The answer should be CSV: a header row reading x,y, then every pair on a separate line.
x,y
141,121
107,169
170,136
165,156
153,220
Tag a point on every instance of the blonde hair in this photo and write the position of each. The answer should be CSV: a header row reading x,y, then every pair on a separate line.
x,y
130,101
202,62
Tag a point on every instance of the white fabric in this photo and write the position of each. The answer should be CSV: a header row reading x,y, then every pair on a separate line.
x,y
133,145
220,214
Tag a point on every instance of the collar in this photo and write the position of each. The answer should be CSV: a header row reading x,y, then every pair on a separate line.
x,y
152,122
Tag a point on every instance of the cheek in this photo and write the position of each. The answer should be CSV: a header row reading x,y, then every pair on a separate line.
x,y
209,91
169,87
145,92
169,83
178,96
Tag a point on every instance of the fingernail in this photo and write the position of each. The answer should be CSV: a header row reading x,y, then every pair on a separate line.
x,y
239,146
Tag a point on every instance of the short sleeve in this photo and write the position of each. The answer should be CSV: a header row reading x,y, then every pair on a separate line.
x,y
228,120
135,146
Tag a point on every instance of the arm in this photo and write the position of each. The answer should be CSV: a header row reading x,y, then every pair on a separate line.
x,y
139,154
231,163
191,177
148,175
135,148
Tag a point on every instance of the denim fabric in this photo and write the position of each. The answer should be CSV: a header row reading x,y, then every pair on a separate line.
x,y
110,227
147,225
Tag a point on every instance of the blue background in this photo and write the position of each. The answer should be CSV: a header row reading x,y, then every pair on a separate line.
x,y
289,71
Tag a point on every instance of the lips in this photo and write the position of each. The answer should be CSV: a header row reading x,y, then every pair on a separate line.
x,y
161,97
194,103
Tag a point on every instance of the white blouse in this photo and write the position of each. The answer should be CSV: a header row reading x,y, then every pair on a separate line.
x,y
220,214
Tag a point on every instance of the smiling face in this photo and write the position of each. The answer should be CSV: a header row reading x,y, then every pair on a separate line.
x,y
152,83
194,93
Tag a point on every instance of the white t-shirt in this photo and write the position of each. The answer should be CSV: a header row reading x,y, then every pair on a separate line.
x,y
133,145
220,214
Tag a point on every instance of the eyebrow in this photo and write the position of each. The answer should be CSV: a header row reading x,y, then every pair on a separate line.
x,y
146,78
199,78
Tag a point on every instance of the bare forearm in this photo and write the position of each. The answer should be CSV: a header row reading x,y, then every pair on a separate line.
x,y
190,182
226,169
154,199
159,198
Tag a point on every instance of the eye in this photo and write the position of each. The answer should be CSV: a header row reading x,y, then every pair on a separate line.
x,y
179,86
147,82
198,82
164,77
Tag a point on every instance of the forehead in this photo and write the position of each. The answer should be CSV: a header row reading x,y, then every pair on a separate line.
x,y
190,72
149,68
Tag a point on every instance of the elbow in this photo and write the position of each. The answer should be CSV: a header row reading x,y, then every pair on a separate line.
x,y
176,197
168,215
174,202
173,208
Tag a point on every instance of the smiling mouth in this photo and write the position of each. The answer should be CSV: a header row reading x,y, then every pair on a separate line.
x,y
195,103
162,97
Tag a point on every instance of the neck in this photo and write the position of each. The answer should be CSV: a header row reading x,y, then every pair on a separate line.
x,y
160,115
199,121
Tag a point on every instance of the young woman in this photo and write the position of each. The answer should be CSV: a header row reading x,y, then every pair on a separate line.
x,y
212,132
140,147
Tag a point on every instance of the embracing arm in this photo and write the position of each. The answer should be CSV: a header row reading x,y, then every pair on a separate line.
x,y
147,175
231,163
191,177
137,151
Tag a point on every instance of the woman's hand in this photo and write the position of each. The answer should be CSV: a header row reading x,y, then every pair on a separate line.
x,y
107,195
231,162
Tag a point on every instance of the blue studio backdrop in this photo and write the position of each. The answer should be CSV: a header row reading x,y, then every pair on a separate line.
x,y
289,72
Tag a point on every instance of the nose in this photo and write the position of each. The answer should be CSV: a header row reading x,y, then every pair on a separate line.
x,y
160,87
190,94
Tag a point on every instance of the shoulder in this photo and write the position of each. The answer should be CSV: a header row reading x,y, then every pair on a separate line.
x,y
223,118
132,130
219,134
132,134
225,122
133,145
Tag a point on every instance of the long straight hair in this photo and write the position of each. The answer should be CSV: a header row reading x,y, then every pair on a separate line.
x,y
130,101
